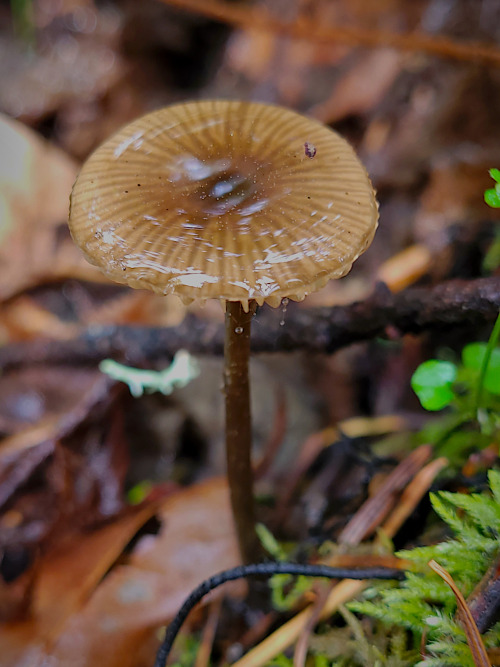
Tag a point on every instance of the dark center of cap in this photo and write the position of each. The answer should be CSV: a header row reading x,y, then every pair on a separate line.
x,y
228,188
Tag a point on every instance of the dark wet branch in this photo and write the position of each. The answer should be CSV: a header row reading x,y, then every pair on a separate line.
x,y
451,304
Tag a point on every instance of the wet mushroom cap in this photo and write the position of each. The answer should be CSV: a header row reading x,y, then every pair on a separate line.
x,y
223,199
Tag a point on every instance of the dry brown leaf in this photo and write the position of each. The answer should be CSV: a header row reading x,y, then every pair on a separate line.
x,y
53,416
31,394
405,268
67,576
24,319
70,573
196,541
77,61
35,183
454,194
362,86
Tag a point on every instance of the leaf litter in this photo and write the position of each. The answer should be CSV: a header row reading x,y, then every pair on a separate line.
x,y
78,587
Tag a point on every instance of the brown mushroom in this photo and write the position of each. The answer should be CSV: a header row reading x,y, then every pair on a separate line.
x,y
239,201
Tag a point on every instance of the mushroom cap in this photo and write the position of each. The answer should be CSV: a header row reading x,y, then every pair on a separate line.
x,y
224,199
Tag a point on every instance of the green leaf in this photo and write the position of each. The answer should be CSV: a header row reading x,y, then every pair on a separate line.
x,y
447,513
269,542
495,174
139,492
492,195
492,198
432,382
473,357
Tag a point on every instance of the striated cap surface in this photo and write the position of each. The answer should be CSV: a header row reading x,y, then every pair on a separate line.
x,y
224,199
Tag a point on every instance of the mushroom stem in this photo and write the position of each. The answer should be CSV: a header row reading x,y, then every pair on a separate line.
x,y
239,427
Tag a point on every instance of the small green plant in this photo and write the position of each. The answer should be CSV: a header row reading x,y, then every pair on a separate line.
x,y
139,492
23,20
464,385
469,388
286,590
433,383
356,644
282,660
492,195
190,647
423,603
363,644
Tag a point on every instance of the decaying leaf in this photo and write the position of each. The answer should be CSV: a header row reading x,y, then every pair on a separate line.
x,y
74,625
35,183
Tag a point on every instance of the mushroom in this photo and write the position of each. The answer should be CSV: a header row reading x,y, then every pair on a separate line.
x,y
239,201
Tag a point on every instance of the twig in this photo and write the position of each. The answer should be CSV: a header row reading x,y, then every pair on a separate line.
x,y
266,569
444,307
412,495
375,509
302,645
256,18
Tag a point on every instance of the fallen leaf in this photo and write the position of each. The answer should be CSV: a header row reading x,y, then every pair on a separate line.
x,y
69,574
454,194
405,268
35,183
362,86
32,393
116,623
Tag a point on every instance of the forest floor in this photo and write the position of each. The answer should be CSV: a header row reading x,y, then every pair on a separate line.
x,y
114,507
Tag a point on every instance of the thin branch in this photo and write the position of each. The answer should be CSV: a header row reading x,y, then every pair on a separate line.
x,y
256,18
457,303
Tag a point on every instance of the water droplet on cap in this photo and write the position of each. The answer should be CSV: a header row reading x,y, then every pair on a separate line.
x,y
284,303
